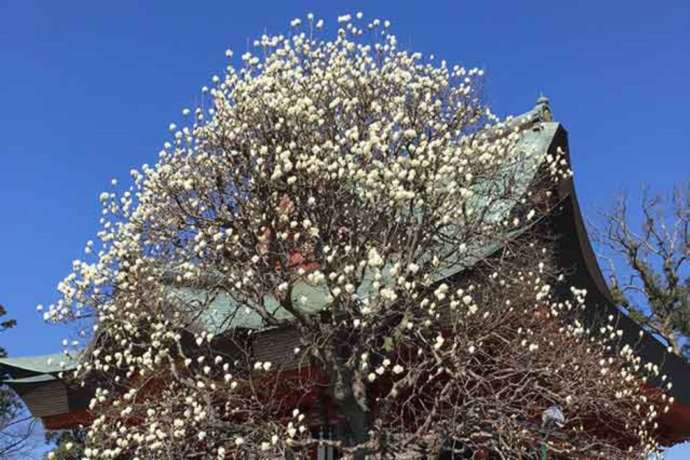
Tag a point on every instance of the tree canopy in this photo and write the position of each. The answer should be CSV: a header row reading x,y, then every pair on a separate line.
x,y
16,426
345,190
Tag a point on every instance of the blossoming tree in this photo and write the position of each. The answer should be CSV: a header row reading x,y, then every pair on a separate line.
x,y
348,193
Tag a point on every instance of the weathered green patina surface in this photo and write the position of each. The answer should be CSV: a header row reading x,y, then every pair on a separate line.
x,y
217,311
41,364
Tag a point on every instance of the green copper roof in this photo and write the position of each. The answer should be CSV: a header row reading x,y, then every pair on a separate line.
x,y
217,311
38,378
220,312
41,364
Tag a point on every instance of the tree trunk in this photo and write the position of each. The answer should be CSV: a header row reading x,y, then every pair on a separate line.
x,y
349,395
357,422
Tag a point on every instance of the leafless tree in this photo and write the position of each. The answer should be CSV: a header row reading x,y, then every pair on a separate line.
x,y
19,437
649,262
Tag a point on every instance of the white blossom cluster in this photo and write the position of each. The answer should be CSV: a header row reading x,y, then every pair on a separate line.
x,y
332,187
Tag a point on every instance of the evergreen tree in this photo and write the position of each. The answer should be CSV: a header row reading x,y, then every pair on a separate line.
x,y
16,426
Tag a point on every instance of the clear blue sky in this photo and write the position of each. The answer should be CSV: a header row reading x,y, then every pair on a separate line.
x,y
87,90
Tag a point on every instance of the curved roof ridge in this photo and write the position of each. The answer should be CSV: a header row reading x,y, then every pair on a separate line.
x,y
39,364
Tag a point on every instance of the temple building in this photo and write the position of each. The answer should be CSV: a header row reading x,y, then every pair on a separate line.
x,y
42,383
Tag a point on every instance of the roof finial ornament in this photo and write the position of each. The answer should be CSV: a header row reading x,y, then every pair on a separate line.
x,y
544,107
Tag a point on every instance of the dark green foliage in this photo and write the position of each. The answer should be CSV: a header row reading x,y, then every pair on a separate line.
x,y
15,426
9,404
